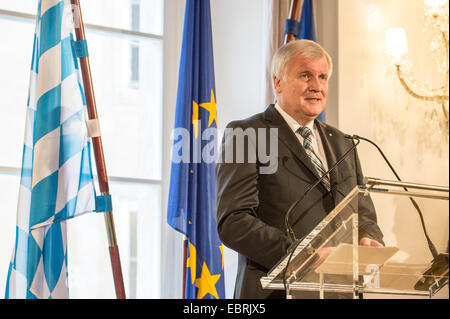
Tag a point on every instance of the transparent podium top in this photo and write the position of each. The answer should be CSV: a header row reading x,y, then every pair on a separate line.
x,y
330,261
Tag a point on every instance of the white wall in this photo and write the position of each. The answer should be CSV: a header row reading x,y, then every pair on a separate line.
x,y
237,57
373,104
237,53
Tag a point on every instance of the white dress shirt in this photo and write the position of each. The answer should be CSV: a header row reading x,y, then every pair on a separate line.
x,y
316,141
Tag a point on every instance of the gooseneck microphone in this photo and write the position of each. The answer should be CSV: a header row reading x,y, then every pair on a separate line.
x,y
289,229
437,272
431,246
440,261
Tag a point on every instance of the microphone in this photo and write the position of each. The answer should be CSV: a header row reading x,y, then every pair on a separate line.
x,y
436,273
289,229
431,246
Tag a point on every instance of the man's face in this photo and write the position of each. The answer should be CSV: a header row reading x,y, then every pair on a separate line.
x,y
303,91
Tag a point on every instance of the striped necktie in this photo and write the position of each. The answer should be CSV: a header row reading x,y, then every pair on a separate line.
x,y
306,133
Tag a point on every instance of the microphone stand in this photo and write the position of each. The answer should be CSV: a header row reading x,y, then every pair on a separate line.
x,y
291,208
431,246
440,262
289,229
439,268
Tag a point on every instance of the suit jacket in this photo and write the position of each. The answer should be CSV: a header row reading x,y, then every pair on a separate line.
x,y
251,206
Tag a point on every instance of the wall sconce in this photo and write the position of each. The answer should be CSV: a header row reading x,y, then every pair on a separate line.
x,y
436,16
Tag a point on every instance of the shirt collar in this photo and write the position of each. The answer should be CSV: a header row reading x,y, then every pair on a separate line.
x,y
293,124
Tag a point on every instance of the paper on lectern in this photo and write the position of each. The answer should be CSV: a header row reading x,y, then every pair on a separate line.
x,y
340,260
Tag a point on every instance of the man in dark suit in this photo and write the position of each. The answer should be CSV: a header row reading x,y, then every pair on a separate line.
x,y
251,205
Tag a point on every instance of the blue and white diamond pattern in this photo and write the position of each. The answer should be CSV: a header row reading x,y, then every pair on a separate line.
x,y
56,178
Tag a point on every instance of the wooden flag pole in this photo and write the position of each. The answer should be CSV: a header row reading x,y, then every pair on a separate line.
x,y
293,15
185,248
98,153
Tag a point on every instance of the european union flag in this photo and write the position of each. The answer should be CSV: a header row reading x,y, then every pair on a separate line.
x,y
308,31
191,208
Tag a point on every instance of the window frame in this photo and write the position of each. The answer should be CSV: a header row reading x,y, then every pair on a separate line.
x,y
134,36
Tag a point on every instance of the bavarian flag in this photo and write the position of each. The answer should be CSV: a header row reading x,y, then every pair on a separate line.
x,y
191,207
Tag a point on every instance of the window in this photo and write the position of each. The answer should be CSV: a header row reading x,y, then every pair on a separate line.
x,y
135,15
133,253
126,62
134,64
134,46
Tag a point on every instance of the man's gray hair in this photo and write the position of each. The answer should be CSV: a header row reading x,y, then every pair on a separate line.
x,y
307,48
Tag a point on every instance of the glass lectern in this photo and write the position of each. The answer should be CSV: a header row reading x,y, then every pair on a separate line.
x,y
330,261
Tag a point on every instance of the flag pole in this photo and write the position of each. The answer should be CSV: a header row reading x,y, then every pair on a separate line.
x,y
185,248
98,154
293,15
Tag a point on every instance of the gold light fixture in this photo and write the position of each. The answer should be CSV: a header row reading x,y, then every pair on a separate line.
x,y
436,17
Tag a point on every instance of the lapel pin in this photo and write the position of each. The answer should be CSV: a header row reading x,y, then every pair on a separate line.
x,y
330,134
